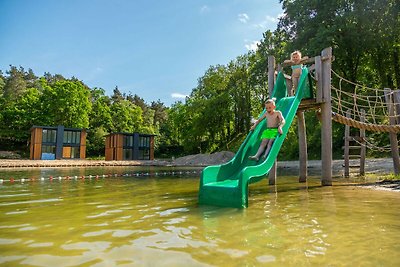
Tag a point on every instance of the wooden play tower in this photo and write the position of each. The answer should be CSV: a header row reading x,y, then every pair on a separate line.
x,y
322,73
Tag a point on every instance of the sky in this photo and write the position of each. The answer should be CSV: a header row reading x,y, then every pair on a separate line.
x,y
155,49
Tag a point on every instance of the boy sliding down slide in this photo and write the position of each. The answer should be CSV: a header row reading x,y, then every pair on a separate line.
x,y
275,122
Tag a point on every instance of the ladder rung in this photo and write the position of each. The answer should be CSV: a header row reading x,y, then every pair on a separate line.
x,y
352,147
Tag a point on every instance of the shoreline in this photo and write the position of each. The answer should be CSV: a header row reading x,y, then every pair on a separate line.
x,y
372,165
381,166
61,163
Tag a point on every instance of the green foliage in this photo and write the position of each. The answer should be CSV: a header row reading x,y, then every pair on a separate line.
x,y
19,116
126,116
52,100
95,141
66,103
100,115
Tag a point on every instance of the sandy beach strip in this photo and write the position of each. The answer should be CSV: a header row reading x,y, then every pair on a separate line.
x,y
25,163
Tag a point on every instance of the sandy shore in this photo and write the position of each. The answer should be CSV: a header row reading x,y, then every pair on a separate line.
x,y
378,166
21,163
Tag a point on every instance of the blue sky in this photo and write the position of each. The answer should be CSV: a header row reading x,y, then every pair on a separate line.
x,y
155,49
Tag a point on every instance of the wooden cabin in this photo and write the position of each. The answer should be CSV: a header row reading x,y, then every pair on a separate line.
x,y
129,146
50,143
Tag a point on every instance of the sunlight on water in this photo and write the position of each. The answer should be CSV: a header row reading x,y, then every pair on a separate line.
x,y
155,221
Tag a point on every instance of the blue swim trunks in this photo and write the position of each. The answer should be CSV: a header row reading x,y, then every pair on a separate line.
x,y
269,133
297,66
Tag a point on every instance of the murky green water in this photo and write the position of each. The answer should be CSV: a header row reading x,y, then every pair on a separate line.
x,y
155,221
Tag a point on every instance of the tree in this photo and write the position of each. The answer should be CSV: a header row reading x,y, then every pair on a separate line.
x,y
2,83
147,114
160,112
21,115
100,114
117,95
66,103
126,116
15,84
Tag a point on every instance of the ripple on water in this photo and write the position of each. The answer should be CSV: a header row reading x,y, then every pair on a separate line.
x,y
106,213
16,195
41,245
31,201
171,211
265,258
16,212
28,228
115,233
8,241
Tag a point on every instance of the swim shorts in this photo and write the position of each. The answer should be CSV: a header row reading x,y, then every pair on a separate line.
x,y
297,66
269,133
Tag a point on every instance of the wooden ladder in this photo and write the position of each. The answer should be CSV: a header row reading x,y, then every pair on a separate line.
x,y
354,147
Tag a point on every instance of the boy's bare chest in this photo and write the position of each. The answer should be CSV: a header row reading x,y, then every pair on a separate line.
x,y
272,117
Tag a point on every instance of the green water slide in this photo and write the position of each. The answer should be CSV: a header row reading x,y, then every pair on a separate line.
x,y
227,184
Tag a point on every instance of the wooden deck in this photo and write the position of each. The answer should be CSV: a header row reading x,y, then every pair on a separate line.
x,y
307,104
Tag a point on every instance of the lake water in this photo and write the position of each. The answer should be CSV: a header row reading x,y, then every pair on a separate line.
x,y
154,220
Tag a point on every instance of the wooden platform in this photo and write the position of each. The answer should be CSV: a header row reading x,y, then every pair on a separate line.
x,y
310,103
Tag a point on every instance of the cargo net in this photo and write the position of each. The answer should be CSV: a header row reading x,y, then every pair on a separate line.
x,y
362,107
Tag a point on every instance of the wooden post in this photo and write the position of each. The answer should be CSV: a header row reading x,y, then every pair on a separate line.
x,y
326,116
347,147
272,174
396,98
301,127
363,151
318,76
271,84
393,137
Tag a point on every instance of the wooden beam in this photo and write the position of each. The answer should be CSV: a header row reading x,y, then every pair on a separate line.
x,y
305,61
392,136
301,127
272,174
346,147
318,77
396,98
363,151
326,117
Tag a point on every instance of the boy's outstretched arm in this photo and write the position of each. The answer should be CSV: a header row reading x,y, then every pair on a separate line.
x,y
257,122
281,122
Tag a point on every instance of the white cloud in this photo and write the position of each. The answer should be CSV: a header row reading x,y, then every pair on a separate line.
x,y
251,45
204,9
178,95
267,21
243,18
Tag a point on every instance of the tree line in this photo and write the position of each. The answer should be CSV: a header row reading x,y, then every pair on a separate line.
x,y
364,35
52,100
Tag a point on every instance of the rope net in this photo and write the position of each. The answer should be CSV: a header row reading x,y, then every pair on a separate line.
x,y
367,108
